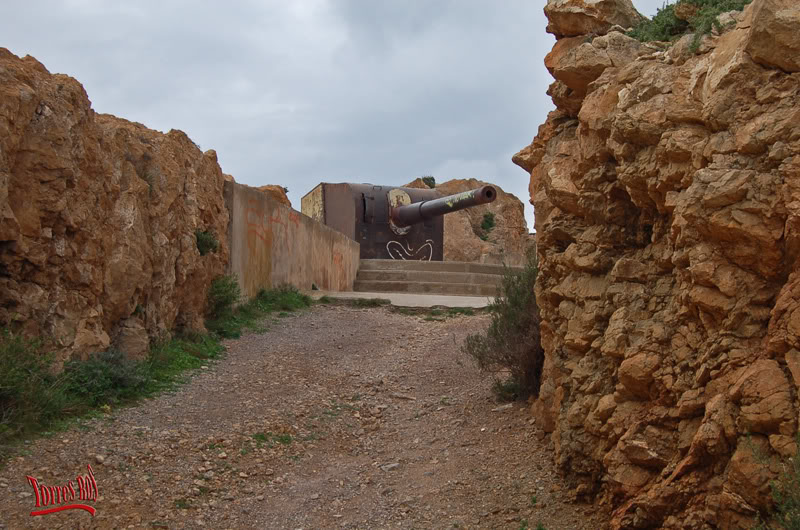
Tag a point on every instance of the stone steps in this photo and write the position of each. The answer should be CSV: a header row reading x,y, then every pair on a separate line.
x,y
428,277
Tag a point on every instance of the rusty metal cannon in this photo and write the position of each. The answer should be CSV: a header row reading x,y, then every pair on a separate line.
x,y
390,222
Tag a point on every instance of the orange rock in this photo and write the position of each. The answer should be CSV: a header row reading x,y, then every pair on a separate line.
x,y
568,18
506,243
98,218
667,193
276,192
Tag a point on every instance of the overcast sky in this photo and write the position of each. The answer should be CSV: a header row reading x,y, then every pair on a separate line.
x,y
304,91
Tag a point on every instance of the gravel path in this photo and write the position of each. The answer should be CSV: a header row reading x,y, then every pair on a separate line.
x,y
337,417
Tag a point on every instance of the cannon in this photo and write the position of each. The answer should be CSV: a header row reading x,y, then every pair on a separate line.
x,y
390,222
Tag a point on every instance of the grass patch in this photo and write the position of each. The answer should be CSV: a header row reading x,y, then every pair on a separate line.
x,y
666,26
512,343
436,314
369,302
261,438
206,241
226,317
34,400
325,299
270,439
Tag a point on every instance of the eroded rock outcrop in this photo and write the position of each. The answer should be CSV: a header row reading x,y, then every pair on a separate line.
x,y
276,192
667,194
507,242
98,218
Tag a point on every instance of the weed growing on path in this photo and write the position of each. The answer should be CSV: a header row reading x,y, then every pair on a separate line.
x,y
369,302
436,314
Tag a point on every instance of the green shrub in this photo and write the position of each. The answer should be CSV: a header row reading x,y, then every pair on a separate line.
x,y
284,298
206,242
429,181
665,26
105,378
512,343
30,395
227,321
223,295
33,399
488,222
786,494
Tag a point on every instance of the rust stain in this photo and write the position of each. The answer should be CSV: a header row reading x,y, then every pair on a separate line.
x,y
338,263
259,247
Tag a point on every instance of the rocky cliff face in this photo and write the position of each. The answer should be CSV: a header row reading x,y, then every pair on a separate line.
x,y
667,195
506,243
98,218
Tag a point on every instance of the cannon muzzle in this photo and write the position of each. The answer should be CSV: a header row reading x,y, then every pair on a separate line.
x,y
402,216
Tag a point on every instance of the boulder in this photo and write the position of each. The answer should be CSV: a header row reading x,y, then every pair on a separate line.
x,y
772,39
276,192
570,18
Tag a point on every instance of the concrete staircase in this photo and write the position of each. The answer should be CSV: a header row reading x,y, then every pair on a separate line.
x,y
428,277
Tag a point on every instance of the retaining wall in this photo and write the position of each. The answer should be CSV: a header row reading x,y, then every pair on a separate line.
x,y
271,245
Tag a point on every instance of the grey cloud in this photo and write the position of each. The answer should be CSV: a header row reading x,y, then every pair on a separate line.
x,y
293,93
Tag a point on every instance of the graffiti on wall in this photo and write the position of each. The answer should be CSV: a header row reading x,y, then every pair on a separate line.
x,y
397,250
259,229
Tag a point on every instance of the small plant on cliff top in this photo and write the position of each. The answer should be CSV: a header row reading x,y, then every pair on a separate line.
x,y
206,241
512,343
666,26
429,181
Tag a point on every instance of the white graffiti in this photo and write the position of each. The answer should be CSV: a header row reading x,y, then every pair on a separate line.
x,y
396,250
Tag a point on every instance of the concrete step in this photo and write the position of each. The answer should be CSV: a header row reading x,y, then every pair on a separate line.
x,y
403,286
410,299
429,276
431,266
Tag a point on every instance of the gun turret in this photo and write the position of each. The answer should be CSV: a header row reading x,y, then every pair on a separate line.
x,y
402,217
389,222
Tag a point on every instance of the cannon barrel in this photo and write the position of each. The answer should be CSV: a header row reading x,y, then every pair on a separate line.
x,y
418,212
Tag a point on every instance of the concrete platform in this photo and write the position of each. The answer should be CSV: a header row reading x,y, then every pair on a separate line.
x,y
445,278
412,299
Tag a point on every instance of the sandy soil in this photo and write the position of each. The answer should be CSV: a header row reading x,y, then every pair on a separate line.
x,y
337,417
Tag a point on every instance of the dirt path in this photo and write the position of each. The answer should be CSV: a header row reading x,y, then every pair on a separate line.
x,y
338,417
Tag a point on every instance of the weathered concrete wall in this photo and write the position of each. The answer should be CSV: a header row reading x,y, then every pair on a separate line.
x,y
271,244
